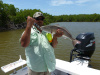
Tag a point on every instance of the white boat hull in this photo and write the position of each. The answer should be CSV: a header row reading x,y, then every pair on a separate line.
x,y
77,67
66,68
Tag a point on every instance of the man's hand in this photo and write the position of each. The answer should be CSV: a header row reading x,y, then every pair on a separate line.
x,y
30,21
58,33
25,39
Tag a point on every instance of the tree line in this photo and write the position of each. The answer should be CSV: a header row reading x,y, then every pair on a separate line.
x,y
8,13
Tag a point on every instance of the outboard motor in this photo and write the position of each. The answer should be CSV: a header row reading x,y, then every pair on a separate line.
x,y
85,49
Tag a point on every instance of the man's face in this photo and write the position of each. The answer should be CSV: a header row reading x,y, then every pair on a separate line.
x,y
39,21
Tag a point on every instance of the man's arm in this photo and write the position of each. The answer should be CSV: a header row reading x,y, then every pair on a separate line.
x,y
58,33
25,39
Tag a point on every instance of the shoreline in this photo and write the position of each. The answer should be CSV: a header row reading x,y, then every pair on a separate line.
x,y
12,26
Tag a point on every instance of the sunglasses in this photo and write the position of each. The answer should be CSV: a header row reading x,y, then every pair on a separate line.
x,y
39,18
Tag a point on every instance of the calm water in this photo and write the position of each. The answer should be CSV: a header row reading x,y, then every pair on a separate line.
x,y
10,48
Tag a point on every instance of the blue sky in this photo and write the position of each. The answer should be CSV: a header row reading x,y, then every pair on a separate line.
x,y
59,7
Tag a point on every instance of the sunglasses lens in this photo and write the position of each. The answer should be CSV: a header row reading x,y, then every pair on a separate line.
x,y
39,19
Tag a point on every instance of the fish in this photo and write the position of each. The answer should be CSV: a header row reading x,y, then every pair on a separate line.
x,y
53,28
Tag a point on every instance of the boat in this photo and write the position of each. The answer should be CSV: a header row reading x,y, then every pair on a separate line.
x,y
79,63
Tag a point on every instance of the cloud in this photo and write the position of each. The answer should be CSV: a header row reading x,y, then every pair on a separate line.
x,y
9,2
82,1
61,2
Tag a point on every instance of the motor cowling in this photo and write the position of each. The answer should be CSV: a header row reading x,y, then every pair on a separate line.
x,y
87,46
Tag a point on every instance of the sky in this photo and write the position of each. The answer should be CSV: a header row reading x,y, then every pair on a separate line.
x,y
59,7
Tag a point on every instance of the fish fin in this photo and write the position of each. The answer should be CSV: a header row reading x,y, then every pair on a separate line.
x,y
64,37
61,27
65,28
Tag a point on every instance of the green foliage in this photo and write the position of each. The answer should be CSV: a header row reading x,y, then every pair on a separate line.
x,y
22,14
8,13
3,16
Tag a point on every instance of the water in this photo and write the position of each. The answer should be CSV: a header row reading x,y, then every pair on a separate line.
x,y
10,48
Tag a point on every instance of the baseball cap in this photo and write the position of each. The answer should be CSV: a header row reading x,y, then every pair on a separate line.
x,y
38,14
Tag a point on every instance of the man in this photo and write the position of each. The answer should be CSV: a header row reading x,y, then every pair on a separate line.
x,y
39,53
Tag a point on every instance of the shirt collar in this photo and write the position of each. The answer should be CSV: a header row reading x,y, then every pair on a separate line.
x,y
34,28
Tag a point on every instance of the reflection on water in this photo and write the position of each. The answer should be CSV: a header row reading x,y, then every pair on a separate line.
x,y
10,48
